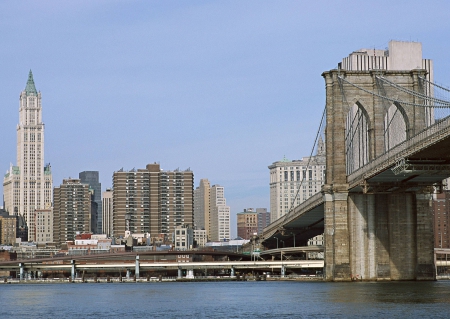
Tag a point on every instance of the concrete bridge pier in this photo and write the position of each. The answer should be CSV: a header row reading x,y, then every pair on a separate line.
x,y
21,270
73,269
136,271
283,271
425,235
232,272
337,259
389,237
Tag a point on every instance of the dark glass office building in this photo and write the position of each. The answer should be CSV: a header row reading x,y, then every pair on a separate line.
x,y
92,179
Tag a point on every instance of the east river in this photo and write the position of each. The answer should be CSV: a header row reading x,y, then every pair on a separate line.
x,y
226,300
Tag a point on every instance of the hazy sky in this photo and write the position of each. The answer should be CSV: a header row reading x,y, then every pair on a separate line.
x,y
224,88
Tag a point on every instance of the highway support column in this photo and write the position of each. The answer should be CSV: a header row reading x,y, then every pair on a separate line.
x,y
21,268
136,272
73,272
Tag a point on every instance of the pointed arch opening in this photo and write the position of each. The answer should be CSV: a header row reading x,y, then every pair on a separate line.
x,y
356,138
395,126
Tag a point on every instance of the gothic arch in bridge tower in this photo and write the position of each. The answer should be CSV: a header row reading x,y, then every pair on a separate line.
x,y
357,137
396,126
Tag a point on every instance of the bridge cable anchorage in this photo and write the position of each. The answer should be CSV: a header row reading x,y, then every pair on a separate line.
x,y
318,134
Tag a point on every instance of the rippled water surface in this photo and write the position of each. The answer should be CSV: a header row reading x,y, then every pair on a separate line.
x,y
227,300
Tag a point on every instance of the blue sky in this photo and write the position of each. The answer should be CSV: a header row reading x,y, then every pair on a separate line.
x,y
224,88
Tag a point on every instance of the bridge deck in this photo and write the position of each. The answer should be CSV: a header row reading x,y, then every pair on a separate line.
x,y
429,146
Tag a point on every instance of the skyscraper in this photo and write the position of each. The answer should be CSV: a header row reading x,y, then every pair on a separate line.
x,y
201,206
28,186
71,211
92,179
107,212
152,201
219,214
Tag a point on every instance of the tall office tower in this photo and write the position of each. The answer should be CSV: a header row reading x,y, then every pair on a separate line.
x,y
247,223
201,206
92,179
71,210
263,219
293,182
152,201
28,186
107,212
219,214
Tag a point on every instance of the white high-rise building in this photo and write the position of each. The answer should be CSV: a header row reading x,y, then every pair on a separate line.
x,y
293,182
219,214
28,186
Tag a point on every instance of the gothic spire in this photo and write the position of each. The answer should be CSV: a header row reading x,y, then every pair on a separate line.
x,y
30,88
320,147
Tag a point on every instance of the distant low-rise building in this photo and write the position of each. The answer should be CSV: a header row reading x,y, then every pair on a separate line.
x,y
88,245
200,237
247,223
251,222
183,238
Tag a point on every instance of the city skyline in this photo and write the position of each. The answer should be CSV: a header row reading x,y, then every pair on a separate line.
x,y
221,89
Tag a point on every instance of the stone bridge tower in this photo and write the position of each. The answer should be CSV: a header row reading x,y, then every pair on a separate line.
x,y
379,232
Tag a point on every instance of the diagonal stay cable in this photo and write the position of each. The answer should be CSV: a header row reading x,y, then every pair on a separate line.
x,y
292,207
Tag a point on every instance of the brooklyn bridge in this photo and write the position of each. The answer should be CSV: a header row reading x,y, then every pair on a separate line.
x,y
387,136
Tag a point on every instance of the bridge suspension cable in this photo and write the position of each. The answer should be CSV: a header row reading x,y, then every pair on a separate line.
x,y
434,84
426,97
402,102
318,134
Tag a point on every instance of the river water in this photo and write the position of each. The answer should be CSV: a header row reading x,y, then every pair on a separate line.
x,y
226,300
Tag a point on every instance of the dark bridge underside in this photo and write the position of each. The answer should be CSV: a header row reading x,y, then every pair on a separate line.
x,y
428,167
308,225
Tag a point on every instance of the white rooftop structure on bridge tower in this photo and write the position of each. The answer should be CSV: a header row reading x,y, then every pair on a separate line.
x,y
400,55
286,177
